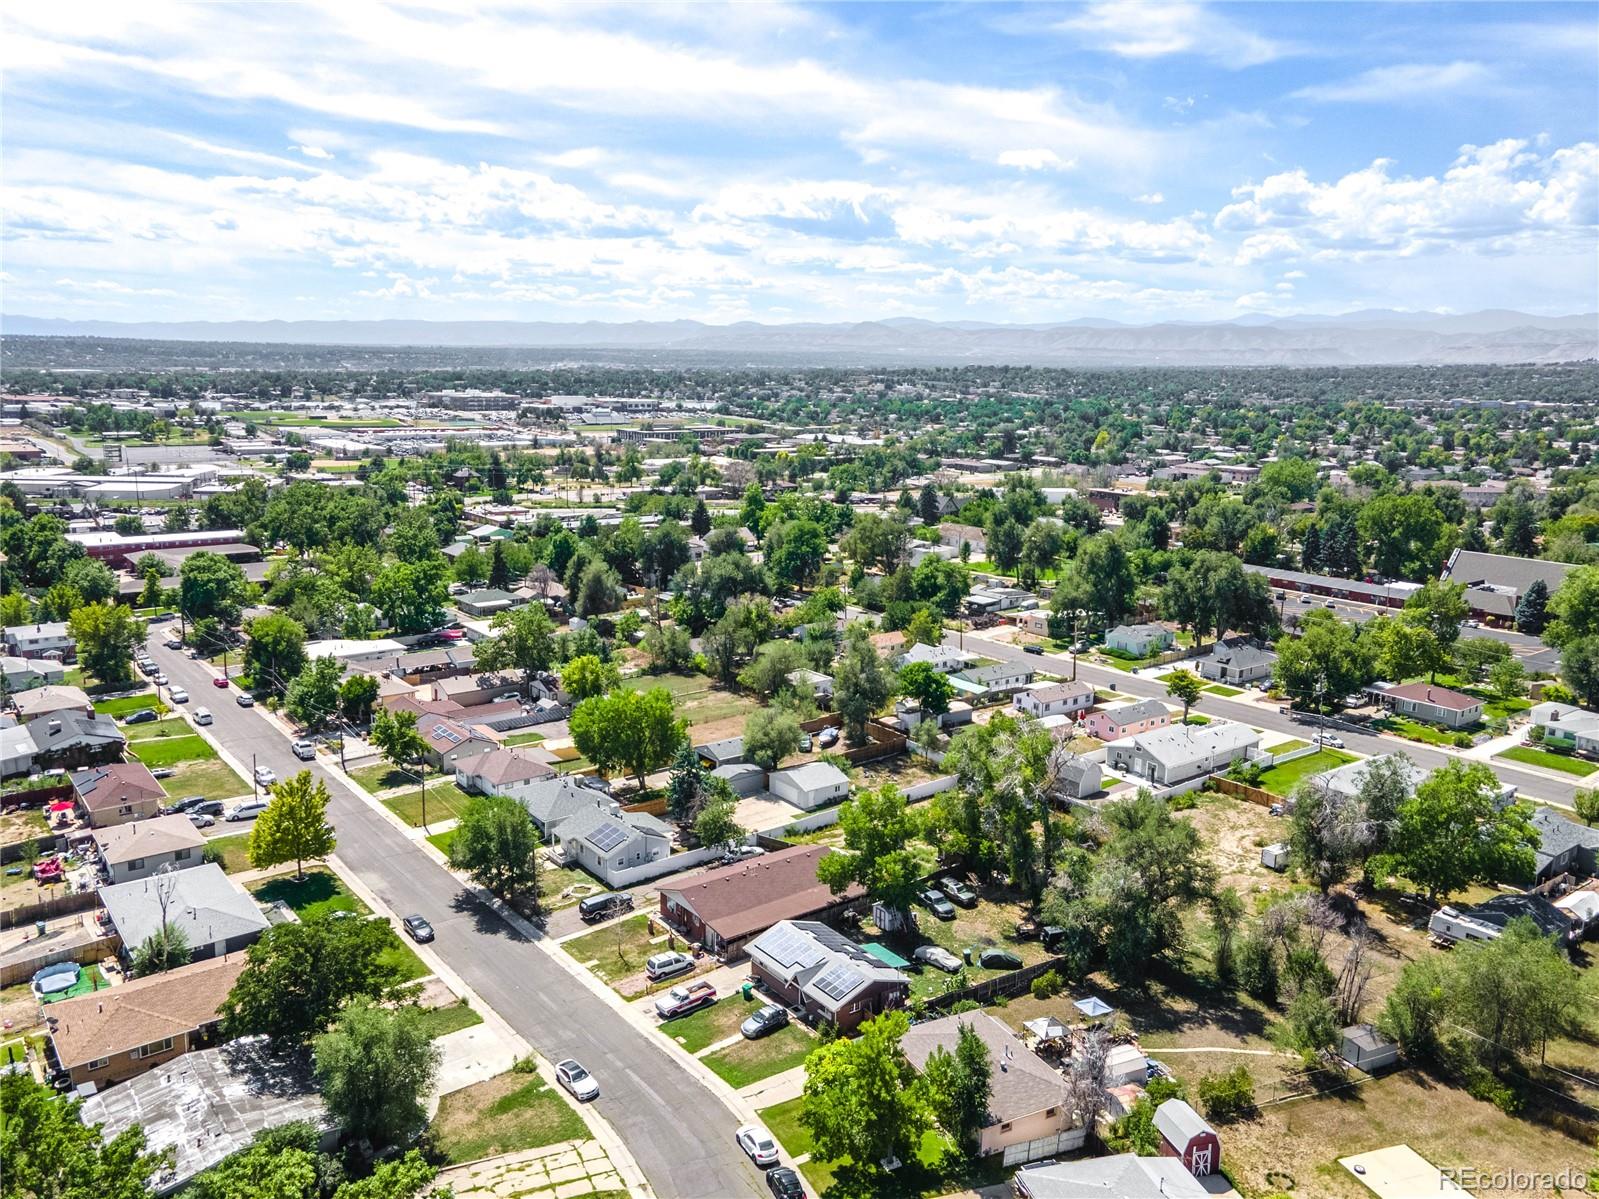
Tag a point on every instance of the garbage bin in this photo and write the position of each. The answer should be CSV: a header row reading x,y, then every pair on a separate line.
x,y
748,991
967,954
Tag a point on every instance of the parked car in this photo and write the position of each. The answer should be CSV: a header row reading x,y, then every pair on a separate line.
x,y
958,892
142,716
740,853
668,965
304,750
209,807
174,643
828,736
785,1183
418,929
681,1000
248,810
183,805
1032,649
768,1020
507,696
219,681
245,700
602,907
200,821
163,772
999,959
937,956
159,678
202,716
758,1143
578,1081
1329,739
265,776
936,904
179,696
1304,599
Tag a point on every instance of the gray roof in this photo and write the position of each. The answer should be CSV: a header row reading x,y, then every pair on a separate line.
x,y
986,675
1182,744
1346,779
74,729
825,964
728,747
204,902
1138,631
1144,709
811,775
551,801
1019,1086
16,741
1241,655
1557,835
1474,567
1179,1123
1119,1176
590,821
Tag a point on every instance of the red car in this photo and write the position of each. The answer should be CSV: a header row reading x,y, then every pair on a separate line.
x,y
219,681
49,870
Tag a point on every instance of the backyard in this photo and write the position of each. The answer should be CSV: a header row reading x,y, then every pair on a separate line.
x,y
712,712
506,1113
990,925
1282,778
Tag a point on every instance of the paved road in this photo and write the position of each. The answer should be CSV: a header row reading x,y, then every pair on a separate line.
x,y
680,1134
1428,757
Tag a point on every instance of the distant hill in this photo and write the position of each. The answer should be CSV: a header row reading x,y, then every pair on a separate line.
x,y
1359,338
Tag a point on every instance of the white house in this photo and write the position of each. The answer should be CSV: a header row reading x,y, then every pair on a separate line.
x,y
1237,664
1567,727
37,640
1055,699
24,674
810,785
1169,756
1438,705
17,750
142,847
510,772
990,683
820,685
605,841
1139,640
941,657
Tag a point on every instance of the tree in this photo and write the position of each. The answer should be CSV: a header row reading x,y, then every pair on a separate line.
x,y
861,684
1311,1026
152,596
375,1067
794,551
959,1085
1004,542
665,551
128,525
281,1163
1101,580
770,735
669,647
598,591
1409,537
357,694
165,949
92,579
1184,686
1326,833
294,827
768,675
1440,607
298,976
928,686
275,652
500,577
1515,992
1413,1013
586,676
394,736
211,585
1404,648
1451,833
411,595
397,1178
50,1153
863,1101
1508,678
631,730
497,845
700,519
522,639
925,628
877,829
716,823
1474,656
1573,609
1532,610
313,696
107,635
1326,660
1586,803
1228,1095
685,787
1579,669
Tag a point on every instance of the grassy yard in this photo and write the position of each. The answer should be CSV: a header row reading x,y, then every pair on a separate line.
x,y
922,1177
1549,760
382,777
711,711
445,801
234,851
712,1024
169,751
441,1021
1415,730
321,892
442,841
504,1114
618,950
989,925
1282,778
750,1061
1292,743
1223,689
159,730
524,739
118,708
213,779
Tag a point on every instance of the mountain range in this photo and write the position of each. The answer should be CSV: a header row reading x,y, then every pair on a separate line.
x,y
1370,337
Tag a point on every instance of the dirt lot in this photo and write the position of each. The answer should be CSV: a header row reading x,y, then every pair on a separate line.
x,y
1235,831
712,712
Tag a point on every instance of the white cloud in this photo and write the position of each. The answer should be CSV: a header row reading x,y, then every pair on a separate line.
x,y
1149,198
314,152
1033,160
1158,28
1405,81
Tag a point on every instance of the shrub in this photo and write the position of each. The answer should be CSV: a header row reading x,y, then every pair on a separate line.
x,y
1462,741
1535,734
1227,1096
965,1005
1181,803
526,1065
1048,985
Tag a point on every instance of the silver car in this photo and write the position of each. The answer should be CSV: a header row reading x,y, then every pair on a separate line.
x,y
578,1081
938,957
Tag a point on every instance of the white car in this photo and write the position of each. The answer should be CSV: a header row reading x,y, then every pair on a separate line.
x,y
938,957
265,776
202,716
305,751
159,678
578,1081
1329,739
178,695
758,1143
248,810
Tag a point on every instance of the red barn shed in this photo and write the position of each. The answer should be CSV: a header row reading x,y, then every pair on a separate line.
x,y
1184,1134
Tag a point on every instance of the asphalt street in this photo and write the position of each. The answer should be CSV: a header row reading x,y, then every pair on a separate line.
x,y
680,1134
1527,782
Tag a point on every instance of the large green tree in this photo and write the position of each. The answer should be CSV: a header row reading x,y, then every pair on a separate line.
x,y
294,827
411,595
1452,832
521,639
770,735
863,1101
878,828
107,635
50,1153
862,684
1325,662
274,654
313,696
497,846
376,1065
210,585
633,730
959,1086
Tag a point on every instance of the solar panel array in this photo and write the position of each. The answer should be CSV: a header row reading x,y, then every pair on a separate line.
x,y
839,981
607,837
790,947
447,734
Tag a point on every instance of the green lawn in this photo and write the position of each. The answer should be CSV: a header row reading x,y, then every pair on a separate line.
x,y
213,779
502,1115
118,708
1223,689
1564,763
1283,778
524,738
712,1024
445,801
750,1061
1415,730
618,950
382,777
322,892
159,730
441,1021
234,851
782,1121
168,751
443,841
1291,744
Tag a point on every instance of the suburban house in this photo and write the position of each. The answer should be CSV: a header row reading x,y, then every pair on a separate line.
x,y
605,841
552,801
1237,664
1185,1135
142,847
888,643
1055,699
69,740
1035,621
1167,757
810,785
502,772
722,909
1436,705
117,1033
1126,720
726,752
118,794
1495,583
216,915
41,702
427,664
1029,1114
991,683
37,640
809,966
469,690
17,750
818,684
1120,1175
449,742
986,601
940,657
1564,846
1139,640
1567,727
486,602
24,674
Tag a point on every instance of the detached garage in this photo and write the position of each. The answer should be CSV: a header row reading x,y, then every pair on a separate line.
x,y
1367,1049
809,786
1184,1134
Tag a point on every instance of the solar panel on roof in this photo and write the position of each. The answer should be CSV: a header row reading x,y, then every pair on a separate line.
x,y
788,946
607,837
839,981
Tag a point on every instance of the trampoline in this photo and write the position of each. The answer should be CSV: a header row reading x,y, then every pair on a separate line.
x,y
53,980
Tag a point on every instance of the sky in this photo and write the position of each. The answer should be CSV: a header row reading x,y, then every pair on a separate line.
x,y
781,162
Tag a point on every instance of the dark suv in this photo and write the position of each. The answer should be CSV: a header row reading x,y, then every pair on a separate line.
x,y
603,907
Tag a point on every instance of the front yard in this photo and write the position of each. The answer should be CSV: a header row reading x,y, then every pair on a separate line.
x,y
617,952
233,853
321,893
748,1062
502,1115
118,708
213,779
445,801
1415,730
1549,760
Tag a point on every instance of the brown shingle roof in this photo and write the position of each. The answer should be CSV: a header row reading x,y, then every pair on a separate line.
x,y
508,766
754,895
119,1019
1438,697
101,787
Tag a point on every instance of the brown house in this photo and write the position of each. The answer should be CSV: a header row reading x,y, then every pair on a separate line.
x,y
724,908
825,975
117,794
120,1032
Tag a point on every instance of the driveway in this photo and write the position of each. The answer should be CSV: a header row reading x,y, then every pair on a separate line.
x,y
680,1133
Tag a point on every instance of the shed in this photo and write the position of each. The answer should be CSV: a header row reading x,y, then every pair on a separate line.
x,y
809,785
1365,1048
1124,1064
1275,857
746,778
1184,1134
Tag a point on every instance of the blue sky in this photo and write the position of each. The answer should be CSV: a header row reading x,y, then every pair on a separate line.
x,y
1168,160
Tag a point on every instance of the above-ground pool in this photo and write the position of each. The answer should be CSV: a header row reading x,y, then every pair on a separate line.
x,y
52,980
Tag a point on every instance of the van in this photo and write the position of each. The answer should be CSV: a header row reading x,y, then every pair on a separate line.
x,y
603,907
202,716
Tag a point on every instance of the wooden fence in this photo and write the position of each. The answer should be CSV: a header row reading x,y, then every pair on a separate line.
x,y
1016,982
1233,787
48,909
20,970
